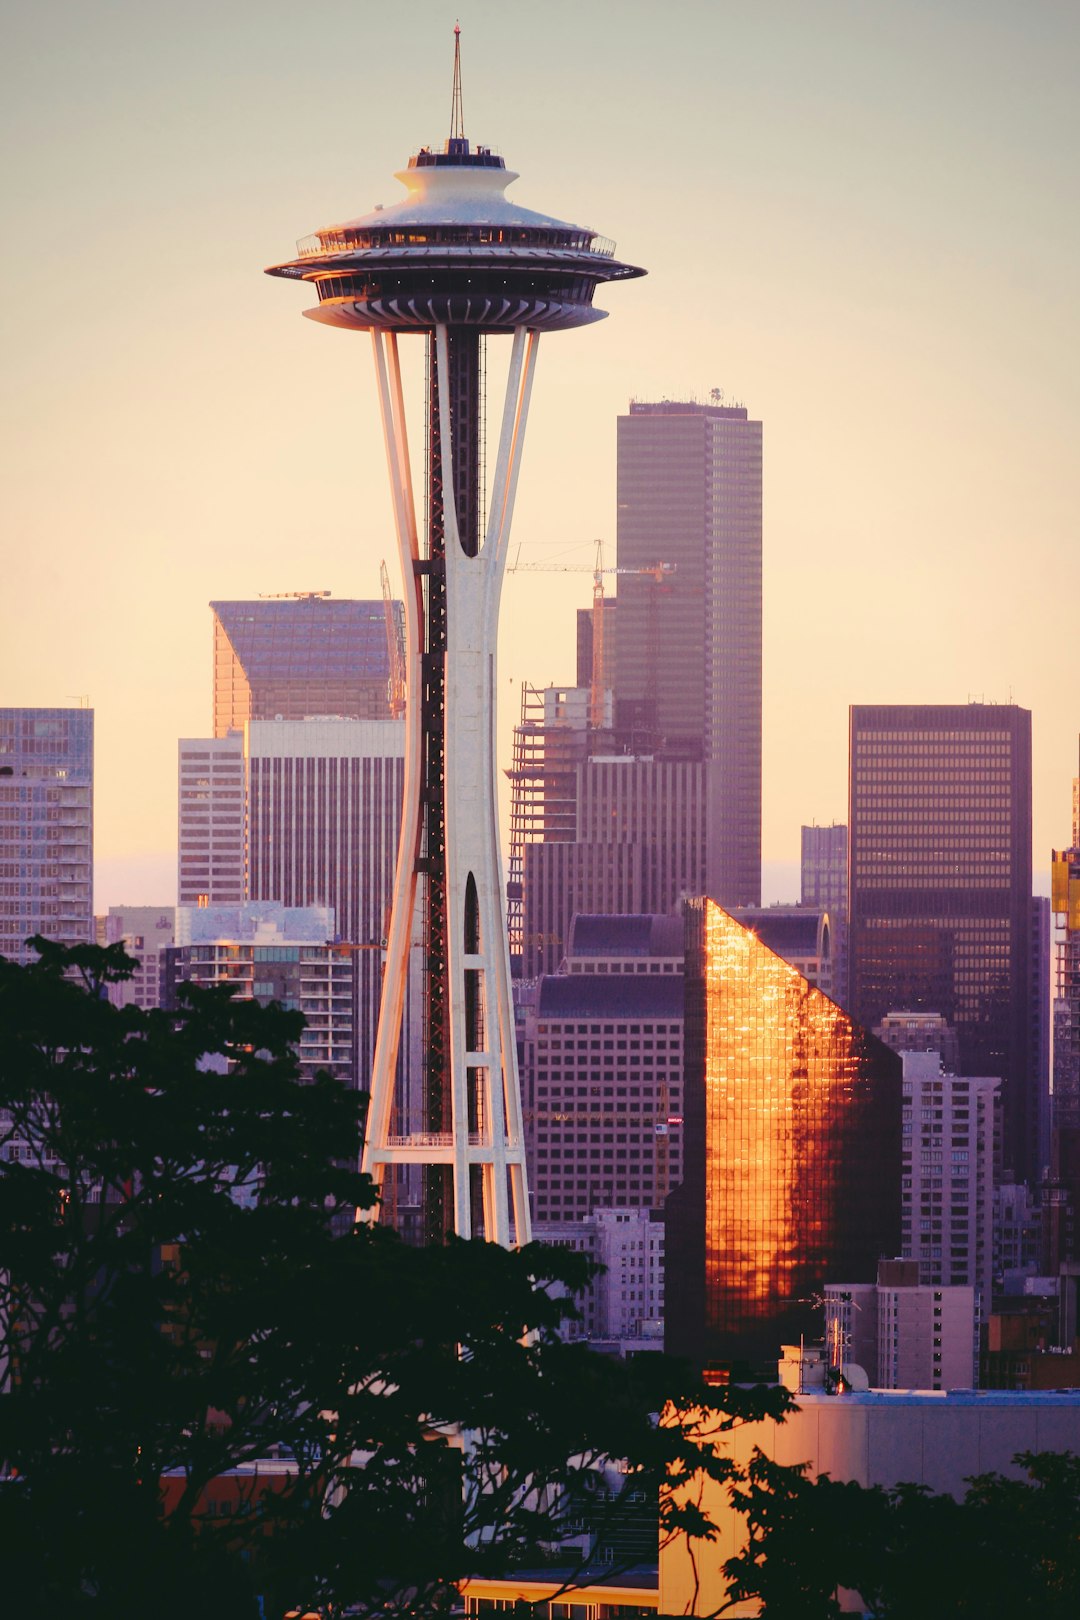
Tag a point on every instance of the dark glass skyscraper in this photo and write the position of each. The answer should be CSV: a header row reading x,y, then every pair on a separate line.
x,y
940,888
792,1159
285,658
687,663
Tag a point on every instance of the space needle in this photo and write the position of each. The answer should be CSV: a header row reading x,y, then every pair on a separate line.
x,y
454,262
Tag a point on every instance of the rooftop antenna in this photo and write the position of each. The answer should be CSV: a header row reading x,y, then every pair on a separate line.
x,y
457,126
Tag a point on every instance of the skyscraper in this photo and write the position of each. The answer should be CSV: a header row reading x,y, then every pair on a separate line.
x,y
46,827
940,889
792,1158
287,657
643,838
455,262
1066,906
687,665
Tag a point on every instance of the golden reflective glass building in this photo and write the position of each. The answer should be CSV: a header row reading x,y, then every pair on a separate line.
x,y
792,1130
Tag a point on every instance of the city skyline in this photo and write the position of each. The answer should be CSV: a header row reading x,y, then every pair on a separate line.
x,y
858,224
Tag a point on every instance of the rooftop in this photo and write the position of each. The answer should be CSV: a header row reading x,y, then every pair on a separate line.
x,y
615,996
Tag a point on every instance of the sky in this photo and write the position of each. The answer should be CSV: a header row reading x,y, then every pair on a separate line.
x,y
859,219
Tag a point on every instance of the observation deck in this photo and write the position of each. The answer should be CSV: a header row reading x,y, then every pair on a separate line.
x,y
455,252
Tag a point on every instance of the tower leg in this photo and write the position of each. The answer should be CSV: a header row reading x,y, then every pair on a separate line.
x,y
473,1126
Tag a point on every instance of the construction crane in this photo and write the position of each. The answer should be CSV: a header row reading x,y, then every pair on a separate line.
x,y
396,684
293,596
657,572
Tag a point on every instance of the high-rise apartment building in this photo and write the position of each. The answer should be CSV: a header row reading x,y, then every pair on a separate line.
x,y
274,953
792,1155
1065,899
46,828
950,1129
289,657
1062,1193
687,666
940,888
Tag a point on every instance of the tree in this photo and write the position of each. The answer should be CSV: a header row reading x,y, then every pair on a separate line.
x,y
183,1291
1009,1549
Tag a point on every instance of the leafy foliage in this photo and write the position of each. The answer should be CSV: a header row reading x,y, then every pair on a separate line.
x,y
1010,1549
184,1292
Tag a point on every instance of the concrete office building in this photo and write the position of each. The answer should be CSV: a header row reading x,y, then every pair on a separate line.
x,y
323,817
602,1072
46,828
284,658
792,1156
211,849
687,667
940,890
145,932
910,1031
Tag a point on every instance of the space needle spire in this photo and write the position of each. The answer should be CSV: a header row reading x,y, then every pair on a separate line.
x,y
457,123
453,263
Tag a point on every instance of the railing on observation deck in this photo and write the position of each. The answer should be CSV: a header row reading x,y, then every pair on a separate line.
x,y
342,241
439,1139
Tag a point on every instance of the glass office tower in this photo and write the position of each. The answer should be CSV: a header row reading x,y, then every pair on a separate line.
x,y
940,889
285,658
793,1116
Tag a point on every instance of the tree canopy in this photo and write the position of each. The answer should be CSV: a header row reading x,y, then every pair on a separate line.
x,y
217,1386
1009,1550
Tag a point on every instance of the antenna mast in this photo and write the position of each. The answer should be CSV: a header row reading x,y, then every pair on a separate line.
x,y
457,125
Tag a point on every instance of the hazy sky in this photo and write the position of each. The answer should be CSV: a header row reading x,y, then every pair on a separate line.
x,y
859,219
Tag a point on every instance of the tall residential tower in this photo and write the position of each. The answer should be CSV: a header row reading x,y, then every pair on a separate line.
x,y
46,828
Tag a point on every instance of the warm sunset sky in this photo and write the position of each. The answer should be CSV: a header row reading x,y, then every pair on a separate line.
x,y
859,218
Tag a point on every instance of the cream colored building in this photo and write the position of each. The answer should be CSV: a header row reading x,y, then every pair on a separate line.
x,y
875,1438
